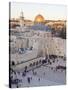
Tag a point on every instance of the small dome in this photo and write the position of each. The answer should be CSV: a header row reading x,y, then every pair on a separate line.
x,y
39,19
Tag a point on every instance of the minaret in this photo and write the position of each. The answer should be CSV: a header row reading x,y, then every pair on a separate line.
x,y
21,19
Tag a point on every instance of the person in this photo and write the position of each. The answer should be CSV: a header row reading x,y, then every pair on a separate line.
x,y
23,74
39,79
28,79
33,72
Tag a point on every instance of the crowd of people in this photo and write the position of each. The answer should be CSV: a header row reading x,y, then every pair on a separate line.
x,y
14,80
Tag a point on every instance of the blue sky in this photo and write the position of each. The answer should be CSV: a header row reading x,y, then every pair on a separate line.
x,y
30,10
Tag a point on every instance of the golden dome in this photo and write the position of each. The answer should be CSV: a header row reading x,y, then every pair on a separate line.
x,y
39,19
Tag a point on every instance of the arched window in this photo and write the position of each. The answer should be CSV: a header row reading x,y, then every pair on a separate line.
x,y
30,64
34,64
37,63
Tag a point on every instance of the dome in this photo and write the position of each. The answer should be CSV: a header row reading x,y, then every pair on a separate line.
x,y
39,19
39,24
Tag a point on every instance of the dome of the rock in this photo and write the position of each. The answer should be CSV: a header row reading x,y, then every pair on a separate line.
x,y
39,19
